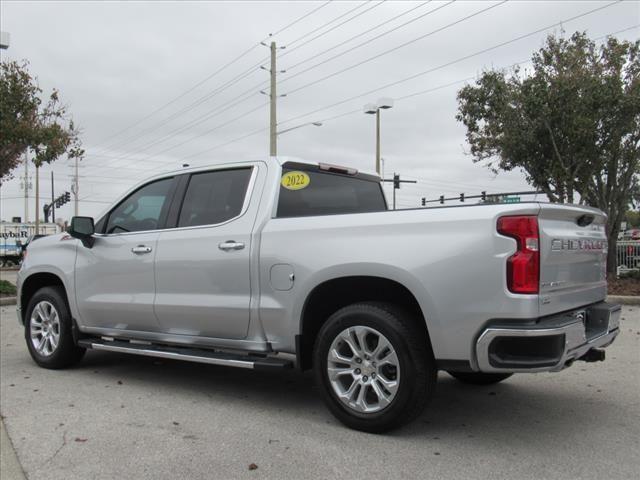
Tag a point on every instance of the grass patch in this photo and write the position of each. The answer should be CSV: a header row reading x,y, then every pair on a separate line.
x,y
7,288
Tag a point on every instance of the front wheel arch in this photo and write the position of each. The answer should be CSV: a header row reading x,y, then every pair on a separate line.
x,y
35,282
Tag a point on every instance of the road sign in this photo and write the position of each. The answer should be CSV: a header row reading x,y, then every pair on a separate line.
x,y
511,199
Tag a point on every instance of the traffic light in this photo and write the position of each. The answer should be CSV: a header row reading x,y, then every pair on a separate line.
x,y
442,199
424,201
462,197
67,197
396,180
484,196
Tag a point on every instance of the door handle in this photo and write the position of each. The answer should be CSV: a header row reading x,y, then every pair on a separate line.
x,y
231,245
141,249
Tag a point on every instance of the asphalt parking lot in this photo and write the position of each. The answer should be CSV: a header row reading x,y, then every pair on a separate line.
x,y
119,416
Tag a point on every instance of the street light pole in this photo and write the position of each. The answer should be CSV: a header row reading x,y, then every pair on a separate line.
x,y
378,141
75,188
27,187
383,104
37,214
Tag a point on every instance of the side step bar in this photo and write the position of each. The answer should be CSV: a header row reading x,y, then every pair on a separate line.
x,y
188,354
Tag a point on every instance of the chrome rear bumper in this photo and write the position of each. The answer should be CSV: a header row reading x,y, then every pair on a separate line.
x,y
549,344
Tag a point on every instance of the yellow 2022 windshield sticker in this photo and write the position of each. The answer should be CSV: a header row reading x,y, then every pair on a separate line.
x,y
295,180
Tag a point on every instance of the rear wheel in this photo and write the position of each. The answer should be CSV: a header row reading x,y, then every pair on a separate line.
x,y
374,366
48,331
479,378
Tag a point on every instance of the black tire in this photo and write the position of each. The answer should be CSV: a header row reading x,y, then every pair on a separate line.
x,y
66,353
479,378
417,366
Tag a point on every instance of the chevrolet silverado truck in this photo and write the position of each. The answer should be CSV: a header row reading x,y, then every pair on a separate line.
x,y
282,264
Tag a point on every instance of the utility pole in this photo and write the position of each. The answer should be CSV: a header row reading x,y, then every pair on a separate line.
x,y
37,199
273,134
75,189
27,186
53,206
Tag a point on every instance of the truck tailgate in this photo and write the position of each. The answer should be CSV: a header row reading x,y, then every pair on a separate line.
x,y
573,257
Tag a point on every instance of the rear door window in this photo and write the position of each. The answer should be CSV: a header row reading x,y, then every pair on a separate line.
x,y
214,197
329,194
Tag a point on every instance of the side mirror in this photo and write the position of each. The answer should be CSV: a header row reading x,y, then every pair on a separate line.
x,y
83,229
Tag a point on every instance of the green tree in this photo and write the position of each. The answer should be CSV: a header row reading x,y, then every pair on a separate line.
x,y
571,123
632,218
29,123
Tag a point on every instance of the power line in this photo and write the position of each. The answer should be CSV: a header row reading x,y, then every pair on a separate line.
x,y
209,77
286,27
255,132
206,116
366,42
350,39
186,92
244,96
210,95
206,132
413,94
242,75
358,110
332,28
453,62
196,103
386,52
231,82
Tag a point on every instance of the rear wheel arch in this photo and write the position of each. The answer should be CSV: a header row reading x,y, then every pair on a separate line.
x,y
35,282
331,295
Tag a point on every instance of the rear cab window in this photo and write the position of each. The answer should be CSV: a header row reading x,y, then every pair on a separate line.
x,y
214,197
313,190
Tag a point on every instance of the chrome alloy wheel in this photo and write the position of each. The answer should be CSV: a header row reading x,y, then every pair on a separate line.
x,y
44,326
363,369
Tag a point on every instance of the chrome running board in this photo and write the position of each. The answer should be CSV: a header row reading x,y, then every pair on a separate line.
x,y
188,354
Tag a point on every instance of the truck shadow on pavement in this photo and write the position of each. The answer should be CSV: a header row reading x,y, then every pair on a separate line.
x,y
518,410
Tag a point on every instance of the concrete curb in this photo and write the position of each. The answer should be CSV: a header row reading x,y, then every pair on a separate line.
x,y
624,299
7,301
9,464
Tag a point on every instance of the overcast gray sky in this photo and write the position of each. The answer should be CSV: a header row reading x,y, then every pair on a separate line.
x,y
116,63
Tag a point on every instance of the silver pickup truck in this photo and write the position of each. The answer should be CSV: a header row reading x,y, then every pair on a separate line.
x,y
278,264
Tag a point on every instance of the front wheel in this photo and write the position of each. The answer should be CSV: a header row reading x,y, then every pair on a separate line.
x,y
47,330
374,366
479,378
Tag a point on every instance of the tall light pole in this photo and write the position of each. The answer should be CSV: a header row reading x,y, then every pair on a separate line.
x,y
371,108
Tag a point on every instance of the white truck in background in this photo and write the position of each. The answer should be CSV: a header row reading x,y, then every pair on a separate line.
x,y
15,236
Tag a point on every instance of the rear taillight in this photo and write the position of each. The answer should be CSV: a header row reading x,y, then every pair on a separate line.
x,y
523,267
